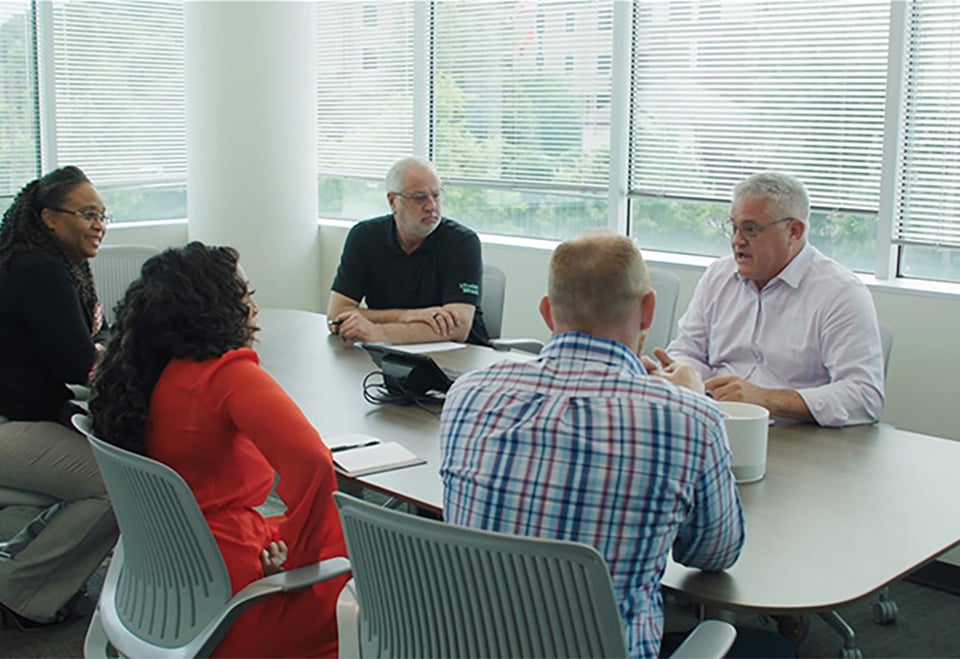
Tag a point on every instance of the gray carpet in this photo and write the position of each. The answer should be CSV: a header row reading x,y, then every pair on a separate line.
x,y
927,625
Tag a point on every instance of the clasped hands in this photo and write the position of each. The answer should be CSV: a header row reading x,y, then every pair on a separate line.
x,y
354,326
720,387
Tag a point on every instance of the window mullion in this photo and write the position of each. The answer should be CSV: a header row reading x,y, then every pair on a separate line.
x,y
890,175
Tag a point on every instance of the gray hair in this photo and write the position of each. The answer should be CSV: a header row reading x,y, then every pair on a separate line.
x,y
784,191
395,177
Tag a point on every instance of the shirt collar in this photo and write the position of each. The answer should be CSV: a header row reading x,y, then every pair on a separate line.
x,y
580,345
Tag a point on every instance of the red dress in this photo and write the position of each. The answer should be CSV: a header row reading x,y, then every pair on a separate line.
x,y
226,426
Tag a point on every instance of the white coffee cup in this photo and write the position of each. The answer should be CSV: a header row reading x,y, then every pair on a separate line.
x,y
747,426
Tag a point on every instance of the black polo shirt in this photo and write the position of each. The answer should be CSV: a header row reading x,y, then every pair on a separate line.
x,y
446,268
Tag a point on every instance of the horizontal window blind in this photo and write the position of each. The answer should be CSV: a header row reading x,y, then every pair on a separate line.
x,y
120,93
721,90
522,94
365,55
928,203
19,141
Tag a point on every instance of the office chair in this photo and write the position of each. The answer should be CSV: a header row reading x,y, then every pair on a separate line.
x,y
667,287
423,588
167,592
492,297
886,343
114,269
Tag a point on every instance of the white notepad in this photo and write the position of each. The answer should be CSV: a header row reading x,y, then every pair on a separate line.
x,y
370,455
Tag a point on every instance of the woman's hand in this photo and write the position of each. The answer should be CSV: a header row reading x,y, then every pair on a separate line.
x,y
273,557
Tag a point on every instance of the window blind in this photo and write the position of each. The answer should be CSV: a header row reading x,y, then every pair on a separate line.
x,y
522,94
119,90
721,90
928,199
19,143
365,87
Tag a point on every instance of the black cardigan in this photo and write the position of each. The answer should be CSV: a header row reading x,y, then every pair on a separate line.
x,y
45,337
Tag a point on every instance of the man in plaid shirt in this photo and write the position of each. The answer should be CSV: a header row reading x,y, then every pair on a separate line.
x,y
582,444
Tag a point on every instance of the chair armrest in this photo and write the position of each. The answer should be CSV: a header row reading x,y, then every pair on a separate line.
x,y
526,345
282,582
711,638
290,580
80,391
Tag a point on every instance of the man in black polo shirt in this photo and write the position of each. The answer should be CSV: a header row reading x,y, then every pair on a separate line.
x,y
419,272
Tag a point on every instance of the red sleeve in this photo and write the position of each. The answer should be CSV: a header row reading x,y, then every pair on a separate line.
x,y
262,411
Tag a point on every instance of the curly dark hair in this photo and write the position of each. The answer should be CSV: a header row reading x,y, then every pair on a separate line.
x,y
189,303
22,229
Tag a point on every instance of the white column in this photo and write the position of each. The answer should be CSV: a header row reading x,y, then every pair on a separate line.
x,y
251,142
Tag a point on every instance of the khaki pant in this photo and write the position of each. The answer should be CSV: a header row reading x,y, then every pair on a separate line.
x,y
49,458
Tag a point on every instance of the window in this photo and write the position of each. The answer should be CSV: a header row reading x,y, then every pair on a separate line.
x,y
114,100
748,86
521,105
19,144
927,213
105,92
365,103
518,147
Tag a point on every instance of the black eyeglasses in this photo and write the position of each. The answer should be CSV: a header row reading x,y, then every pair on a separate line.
x,y
750,230
89,216
422,197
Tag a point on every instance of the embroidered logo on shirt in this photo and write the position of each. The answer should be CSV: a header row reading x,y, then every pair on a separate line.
x,y
469,289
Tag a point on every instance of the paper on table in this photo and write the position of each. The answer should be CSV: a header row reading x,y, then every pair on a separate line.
x,y
384,456
439,346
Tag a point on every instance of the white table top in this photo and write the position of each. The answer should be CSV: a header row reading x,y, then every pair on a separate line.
x,y
841,512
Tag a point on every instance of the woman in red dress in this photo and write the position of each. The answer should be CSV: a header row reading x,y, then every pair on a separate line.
x,y
180,383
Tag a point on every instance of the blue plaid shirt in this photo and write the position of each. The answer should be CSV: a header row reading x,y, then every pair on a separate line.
x,y
581,444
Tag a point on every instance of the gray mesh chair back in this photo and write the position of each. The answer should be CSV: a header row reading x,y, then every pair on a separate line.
x,y
667,286
429,589
886,343
167,592
492,297
171,581
114,269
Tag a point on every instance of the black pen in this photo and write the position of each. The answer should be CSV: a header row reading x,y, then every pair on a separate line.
x,y
335,323
347,447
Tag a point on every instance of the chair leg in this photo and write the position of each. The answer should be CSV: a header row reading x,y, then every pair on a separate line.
x,y
839,625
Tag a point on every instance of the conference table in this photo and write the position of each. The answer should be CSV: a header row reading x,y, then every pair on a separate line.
x,y
839,514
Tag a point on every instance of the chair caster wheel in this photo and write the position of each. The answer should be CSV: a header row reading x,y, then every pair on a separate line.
x,y
885,612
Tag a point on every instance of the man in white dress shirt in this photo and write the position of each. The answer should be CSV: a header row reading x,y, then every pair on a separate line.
x,y
780,324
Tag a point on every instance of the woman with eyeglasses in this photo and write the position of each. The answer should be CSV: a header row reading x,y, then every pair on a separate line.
x,y
180,382
50,325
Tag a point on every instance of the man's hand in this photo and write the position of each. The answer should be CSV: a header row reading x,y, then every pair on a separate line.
x,y
679,373
352,326
440,319
733,387
273,557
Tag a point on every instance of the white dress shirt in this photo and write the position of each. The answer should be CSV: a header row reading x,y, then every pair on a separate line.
x,y
813,329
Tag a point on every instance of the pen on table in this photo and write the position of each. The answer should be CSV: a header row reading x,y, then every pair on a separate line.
x,y
347,447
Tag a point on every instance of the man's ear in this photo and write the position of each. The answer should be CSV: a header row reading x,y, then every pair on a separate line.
x,y
545,312
797,229
647,305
